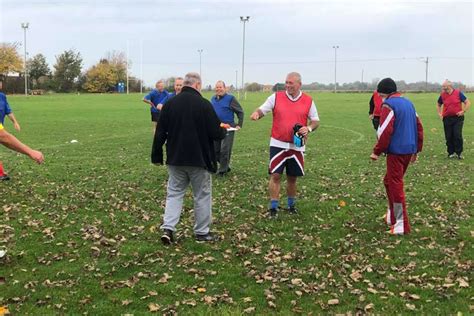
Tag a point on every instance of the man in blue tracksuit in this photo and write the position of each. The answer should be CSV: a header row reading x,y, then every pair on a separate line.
x,y
156,98
226,106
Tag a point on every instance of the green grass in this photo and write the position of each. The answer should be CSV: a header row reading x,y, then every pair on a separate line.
x,y
82,230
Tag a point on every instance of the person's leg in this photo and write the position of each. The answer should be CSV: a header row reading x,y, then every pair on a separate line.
x,y
178,182
274,186
294,169
389,216
217,150
278,158
457,135
448,134
226,151
202,192
396,167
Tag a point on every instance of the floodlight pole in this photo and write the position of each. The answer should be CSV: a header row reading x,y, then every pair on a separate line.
x,y
25,27
335,67
244,20
128,52
200,62
141,66
426,74
236,83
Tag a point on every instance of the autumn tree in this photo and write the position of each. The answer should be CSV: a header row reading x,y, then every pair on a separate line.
x,y
101,77
66,70
10,60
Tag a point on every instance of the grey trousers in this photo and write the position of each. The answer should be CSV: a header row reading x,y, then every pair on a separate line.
x,y
179,179
223,150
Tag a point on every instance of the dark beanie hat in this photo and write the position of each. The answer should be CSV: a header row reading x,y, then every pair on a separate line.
x,y
387,86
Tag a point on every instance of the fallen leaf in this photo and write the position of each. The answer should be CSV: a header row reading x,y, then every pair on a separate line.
x,y
369,307
462,283
201,289
126,302
249,310
333,301
411,307
152,307
4,311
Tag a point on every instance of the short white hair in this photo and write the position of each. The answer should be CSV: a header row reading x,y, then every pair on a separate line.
x,y
191,79
294,74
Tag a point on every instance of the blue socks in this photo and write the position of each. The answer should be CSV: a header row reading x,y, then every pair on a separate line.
x,y
274,204
291,201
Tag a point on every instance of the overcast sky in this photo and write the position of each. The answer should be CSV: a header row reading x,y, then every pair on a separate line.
x,y
375,38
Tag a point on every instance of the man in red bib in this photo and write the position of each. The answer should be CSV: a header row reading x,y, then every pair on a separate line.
x,y
290,108
452,104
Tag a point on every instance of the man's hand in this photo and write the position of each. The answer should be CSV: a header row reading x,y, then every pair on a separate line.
x,y
440,115
413,158
159,106
371,116
374,156
17,126
225,125
304,131
460,113
237,127
36,156
255,116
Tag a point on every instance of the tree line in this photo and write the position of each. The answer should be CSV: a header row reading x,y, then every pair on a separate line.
x,y
66,75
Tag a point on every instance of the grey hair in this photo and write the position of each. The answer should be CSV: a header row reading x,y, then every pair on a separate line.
x,y
178,78
295,75
447,83
191,79
220,81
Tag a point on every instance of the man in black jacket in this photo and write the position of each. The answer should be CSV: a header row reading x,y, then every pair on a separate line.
x,y
189,126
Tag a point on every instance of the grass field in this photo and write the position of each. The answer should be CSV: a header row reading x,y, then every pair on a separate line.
x,y
83,238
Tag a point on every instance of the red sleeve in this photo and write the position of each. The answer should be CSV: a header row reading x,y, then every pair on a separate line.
x,y
385,131
419,128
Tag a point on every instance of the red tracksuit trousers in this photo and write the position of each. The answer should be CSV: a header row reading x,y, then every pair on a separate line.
x,y
397,216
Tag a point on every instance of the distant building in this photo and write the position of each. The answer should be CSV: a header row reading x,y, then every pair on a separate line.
x,y
267,88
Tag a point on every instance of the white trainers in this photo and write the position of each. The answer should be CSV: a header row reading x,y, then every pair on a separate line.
x,y
3,253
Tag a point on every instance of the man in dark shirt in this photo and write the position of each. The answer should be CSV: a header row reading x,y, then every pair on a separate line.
x,y
189,126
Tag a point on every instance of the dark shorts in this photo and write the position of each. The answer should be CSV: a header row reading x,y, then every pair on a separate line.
x,y
289,159
155,116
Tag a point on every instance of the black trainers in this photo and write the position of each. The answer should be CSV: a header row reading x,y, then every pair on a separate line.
x,y
4,177
292,210
207,237
273,213
167,237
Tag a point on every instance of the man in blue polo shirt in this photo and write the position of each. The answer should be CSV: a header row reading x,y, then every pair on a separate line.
x,y
226,106
156,98
178,86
